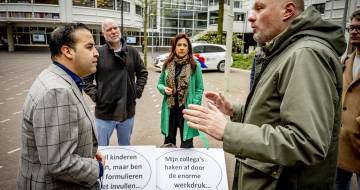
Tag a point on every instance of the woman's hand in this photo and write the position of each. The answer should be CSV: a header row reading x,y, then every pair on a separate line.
x,y
168,91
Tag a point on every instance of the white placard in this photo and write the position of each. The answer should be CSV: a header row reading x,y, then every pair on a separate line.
x,y
195,168
129,167
150,168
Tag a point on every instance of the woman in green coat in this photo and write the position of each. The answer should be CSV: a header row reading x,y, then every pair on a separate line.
x,y
181,84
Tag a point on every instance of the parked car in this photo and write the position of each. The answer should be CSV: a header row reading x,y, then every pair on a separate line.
x,y
210,56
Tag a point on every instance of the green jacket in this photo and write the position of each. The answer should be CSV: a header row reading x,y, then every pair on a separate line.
x,y
286,135
196,90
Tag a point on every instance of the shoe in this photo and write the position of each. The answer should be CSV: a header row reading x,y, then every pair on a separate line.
x,y
168,145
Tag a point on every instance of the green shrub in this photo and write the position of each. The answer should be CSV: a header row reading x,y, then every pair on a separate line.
x,y
240,61
243,61
213,38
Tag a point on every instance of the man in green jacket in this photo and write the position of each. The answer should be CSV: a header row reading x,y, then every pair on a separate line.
x,y
286,134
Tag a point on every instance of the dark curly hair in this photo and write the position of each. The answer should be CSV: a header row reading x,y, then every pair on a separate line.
x,y
63,35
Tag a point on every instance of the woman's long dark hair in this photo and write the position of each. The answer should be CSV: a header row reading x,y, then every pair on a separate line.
x,y
173,48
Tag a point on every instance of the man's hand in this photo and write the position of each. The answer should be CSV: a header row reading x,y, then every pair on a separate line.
x,y
208,120
220,102
100,157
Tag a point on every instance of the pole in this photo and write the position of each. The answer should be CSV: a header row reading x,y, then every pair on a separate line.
x,y
345,14
152,37
331,10
122,18
229,34
243,35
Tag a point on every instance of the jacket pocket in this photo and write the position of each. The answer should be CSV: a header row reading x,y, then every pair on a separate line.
x,y
258,175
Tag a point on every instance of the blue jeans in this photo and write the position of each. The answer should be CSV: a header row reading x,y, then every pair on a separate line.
x,y
343,180
105,129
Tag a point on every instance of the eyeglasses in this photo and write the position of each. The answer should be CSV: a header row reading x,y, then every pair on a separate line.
x,y
353,27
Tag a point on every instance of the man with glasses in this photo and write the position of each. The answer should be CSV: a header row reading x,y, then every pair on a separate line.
x,y
349,141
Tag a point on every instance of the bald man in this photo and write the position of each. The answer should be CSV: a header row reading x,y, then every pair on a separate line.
x,y
286,134
120,80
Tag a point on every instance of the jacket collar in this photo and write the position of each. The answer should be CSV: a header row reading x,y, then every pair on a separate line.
x,y
348,71
123,46
61,73
78,80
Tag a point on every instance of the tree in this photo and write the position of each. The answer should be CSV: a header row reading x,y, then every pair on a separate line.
x,y
144,43
220,21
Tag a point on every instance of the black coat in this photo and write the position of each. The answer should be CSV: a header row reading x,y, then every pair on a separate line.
x,y
116,89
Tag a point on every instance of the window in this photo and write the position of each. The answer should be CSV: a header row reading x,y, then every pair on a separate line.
x,y
106,4
320,7
46,15
84,3
212,49
126,6
186,14
139,10
185,23
238,4
213,17
2,14
19,1
20,14
38,38
2,1
182,4
170,23
201,15
198,49
53,2
214,2
239,16
201,24
32,35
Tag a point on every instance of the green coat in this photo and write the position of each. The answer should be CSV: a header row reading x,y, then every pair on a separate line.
x,y
196,90
286,135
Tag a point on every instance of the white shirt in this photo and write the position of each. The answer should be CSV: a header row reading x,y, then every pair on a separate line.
x,y
356,66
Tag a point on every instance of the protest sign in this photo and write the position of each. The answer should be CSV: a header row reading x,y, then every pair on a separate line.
x,y
129,167
149,168
191,169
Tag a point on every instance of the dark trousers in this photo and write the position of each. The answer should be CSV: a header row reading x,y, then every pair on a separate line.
x,y
177,120
343,180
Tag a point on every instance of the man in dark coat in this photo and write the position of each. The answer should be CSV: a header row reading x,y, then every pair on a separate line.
x,y
116,89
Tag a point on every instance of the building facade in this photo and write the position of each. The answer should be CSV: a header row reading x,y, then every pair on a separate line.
x,y
169,17
334,10
26,23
